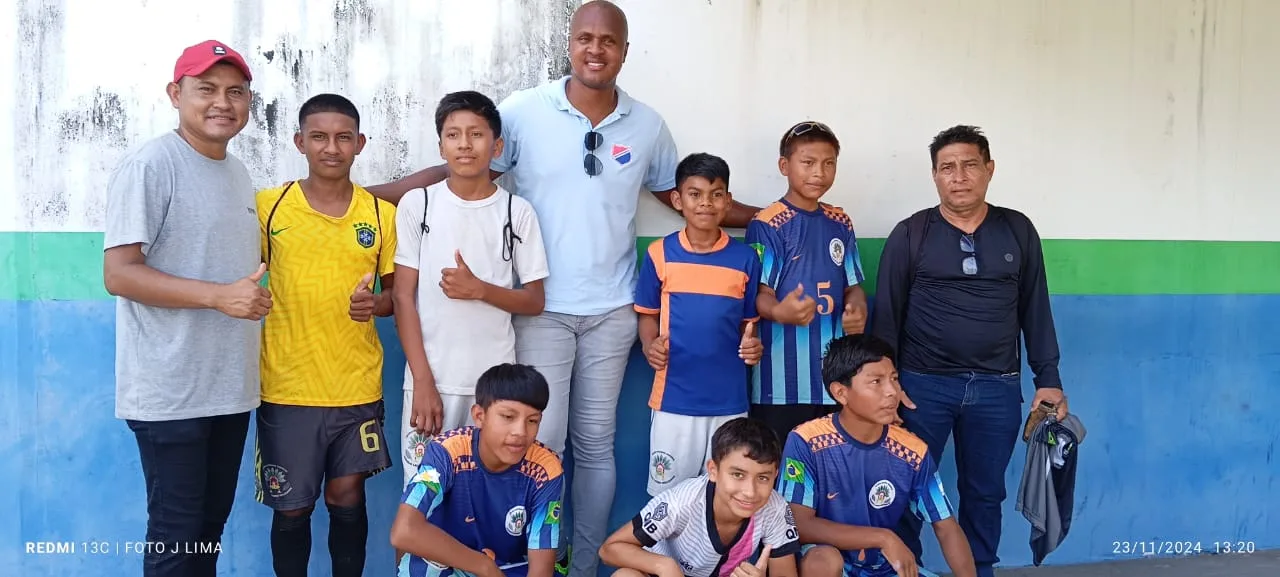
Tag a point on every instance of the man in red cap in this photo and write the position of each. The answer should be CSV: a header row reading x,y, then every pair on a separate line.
x,y
182,256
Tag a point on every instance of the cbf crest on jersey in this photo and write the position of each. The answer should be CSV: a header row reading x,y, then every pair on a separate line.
x,y
881,494
365,234
836,249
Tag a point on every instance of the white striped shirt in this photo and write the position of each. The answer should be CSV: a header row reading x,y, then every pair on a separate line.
x,y
680,523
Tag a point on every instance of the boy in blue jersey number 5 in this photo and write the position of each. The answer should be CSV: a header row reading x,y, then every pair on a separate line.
x,y
486,499
812,277
696,297
852,475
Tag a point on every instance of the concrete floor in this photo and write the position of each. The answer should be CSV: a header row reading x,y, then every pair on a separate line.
x,y
1259,564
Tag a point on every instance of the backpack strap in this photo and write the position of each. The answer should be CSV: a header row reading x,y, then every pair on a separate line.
x,y
377,216
509,236
1020,226
425,229
917,231
272,215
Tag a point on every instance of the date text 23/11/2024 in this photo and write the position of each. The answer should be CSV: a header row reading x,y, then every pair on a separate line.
x,y
97,547
1158,548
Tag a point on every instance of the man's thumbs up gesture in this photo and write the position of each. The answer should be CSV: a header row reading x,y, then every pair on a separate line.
x,y
459,283
362,301
750,349
245,298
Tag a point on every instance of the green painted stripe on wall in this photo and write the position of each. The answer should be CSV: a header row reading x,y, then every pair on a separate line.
x,y
68,266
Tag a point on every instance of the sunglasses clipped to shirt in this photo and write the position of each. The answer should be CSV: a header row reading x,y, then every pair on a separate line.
x,y
590,162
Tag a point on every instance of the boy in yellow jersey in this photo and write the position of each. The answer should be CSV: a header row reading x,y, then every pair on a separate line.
x,y
324,239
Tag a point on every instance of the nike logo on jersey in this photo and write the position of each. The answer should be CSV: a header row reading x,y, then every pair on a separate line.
x,y
831,496
470,519
278,231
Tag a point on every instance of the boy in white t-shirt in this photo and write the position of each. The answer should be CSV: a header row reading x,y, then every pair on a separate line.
x,y
464,245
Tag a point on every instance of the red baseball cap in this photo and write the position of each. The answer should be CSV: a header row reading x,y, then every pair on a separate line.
x,y
195,60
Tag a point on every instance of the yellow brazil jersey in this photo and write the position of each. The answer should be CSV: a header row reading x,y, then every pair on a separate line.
x,y
313,354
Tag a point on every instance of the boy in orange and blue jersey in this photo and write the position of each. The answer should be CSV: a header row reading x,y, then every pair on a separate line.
x,y
697,302
812,276
485,501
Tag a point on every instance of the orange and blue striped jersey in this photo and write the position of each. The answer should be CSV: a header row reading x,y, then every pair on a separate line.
x,y
819,250
702,301
868,485
504,514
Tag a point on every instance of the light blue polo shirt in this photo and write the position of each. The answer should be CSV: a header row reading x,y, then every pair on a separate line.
x,y
588,223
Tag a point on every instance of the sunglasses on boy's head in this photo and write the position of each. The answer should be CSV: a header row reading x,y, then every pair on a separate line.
x,y
591,163
806,127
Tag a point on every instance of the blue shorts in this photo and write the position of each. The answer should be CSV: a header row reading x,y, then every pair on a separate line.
x,y
880,569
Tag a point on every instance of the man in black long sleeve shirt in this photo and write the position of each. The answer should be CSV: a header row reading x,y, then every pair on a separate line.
x,y
958,285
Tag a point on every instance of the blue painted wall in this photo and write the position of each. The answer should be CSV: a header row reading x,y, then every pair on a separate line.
x,y
1178,393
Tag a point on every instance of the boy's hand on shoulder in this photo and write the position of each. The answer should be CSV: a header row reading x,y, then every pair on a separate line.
x,y
750,349
459,282
428,409
745,569
796,308
656,352
362,301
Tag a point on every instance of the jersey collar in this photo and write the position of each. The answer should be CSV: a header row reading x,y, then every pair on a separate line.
x,y
713,532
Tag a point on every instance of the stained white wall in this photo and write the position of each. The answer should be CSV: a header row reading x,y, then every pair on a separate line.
x,y
1145,119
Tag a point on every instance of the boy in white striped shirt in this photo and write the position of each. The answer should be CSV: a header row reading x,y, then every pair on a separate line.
x,y
728,522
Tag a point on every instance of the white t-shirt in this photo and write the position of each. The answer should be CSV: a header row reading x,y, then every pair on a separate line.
x,y
679,524
463,338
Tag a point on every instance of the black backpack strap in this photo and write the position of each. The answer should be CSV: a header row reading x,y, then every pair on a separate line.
x,y
377,215
272,215
509,236
1020,225
425,229
917,230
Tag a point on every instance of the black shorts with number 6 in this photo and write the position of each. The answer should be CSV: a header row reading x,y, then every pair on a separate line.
x,y
299,447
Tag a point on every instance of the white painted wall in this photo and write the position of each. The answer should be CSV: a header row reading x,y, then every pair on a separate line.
x,y
1141,119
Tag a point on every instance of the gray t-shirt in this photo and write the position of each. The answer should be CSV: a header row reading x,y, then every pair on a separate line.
x,y
195,219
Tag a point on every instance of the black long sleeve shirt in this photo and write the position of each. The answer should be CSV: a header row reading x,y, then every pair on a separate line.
x,y
949,322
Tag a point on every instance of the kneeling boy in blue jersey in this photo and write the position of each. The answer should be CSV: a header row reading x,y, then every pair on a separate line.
x,y
713,525
697,302
851,475
485,501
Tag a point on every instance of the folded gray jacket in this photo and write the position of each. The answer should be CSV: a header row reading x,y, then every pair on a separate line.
x,y
1047,493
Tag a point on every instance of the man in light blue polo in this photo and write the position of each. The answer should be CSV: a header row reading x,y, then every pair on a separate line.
x,y
580,149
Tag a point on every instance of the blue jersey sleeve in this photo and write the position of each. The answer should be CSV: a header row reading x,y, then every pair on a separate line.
x,y
928,501
764,239
797,483
544,528
852,261
649,286
427,489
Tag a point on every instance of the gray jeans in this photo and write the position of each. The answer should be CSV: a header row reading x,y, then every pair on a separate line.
x,y
583,359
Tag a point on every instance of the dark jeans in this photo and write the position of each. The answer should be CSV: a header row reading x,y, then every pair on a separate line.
x,y
985,413
191,467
